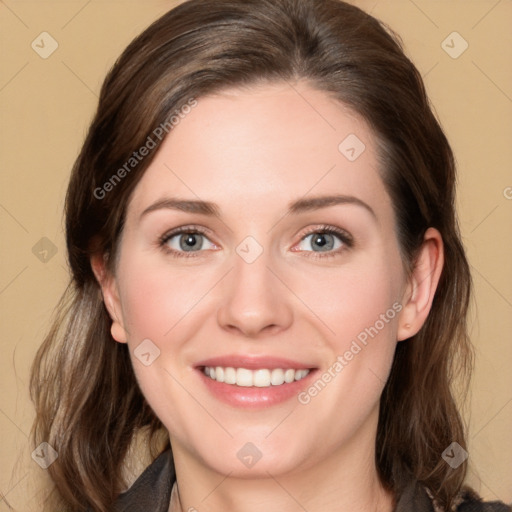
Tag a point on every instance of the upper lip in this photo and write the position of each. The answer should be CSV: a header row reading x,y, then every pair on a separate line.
x,y
253,362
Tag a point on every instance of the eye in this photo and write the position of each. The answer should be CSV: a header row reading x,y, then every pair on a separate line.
x,y
325,240
186,240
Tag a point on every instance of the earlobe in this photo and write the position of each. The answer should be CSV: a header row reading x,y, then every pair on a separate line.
x,y
110,295
422,285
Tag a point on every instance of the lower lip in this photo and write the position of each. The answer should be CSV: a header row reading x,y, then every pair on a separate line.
x,y
255,397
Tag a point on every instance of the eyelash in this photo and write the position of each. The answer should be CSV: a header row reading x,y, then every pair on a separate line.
x,y
346,239
189,230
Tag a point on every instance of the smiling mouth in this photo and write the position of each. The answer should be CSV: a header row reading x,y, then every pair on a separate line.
x,y
260,378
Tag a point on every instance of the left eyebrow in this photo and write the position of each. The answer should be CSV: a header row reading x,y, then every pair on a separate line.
x,y
315,203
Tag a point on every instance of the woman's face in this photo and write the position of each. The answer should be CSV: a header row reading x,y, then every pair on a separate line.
x,y
261,238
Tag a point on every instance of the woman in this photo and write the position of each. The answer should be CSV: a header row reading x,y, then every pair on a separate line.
x,y
266,269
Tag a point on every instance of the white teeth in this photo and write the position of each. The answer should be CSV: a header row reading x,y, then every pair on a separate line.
x,y
261,378
243,377
219,374
277,377
289,376
229,375
300,374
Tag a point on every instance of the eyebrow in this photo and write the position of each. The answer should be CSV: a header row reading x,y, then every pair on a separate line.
x,y
315,203
294,208
190,206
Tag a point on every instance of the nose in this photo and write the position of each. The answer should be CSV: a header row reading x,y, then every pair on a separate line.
x,y
255,302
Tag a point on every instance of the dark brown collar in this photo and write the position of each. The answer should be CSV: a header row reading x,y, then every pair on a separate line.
x,y
152,491
414,498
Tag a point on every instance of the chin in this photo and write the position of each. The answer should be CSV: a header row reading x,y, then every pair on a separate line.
x,y
251,456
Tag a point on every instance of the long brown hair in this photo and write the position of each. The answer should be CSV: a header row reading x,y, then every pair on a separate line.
x,y
88,403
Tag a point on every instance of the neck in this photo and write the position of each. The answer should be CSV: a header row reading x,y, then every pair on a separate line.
x,y
346,480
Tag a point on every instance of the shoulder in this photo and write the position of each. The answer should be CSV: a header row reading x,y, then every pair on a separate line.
x,y
471,502
416,498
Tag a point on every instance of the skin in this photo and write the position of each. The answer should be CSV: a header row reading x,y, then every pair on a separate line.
x,y
252,152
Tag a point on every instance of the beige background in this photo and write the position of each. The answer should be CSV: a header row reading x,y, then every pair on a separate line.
x,y
46,105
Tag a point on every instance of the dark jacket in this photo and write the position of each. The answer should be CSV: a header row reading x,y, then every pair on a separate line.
x,y
151,492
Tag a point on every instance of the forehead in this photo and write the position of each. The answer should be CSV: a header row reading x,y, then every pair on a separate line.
x,y
269,144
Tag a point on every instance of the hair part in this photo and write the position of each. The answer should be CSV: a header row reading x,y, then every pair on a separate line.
x,y
88,403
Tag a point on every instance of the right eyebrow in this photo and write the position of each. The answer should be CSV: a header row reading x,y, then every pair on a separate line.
x,y
190,206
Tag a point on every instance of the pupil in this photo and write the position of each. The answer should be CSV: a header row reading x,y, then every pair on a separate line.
x,y
189,241
324,241
320,240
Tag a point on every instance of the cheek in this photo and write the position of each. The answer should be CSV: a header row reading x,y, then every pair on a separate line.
x,y
354,302
357,308
360,315
156,298
160,304
165,305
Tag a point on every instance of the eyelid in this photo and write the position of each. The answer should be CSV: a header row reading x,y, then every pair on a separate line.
x,y
186,229
346,239
342,234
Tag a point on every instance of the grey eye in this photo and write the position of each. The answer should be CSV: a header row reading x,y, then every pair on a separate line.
x,y
320,242
189,242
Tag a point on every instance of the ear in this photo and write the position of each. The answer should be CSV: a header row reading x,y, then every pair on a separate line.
x,y
422,285
110,294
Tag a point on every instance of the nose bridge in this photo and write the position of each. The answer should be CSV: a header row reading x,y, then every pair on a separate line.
x,y
254,299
